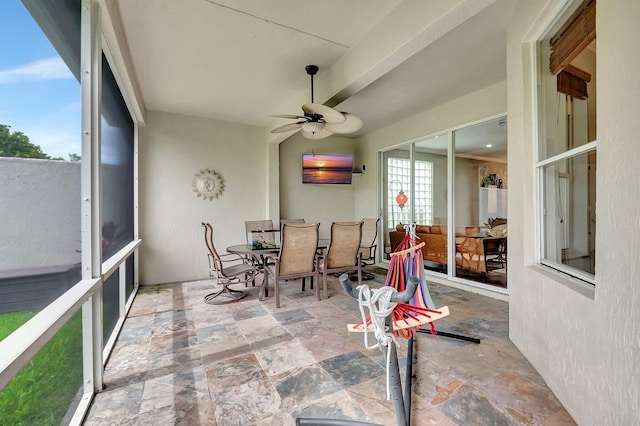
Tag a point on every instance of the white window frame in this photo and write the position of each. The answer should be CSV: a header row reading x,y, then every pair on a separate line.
x,y
540,164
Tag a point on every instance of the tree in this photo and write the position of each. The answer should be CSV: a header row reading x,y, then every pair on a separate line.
x,y
17,144
74,157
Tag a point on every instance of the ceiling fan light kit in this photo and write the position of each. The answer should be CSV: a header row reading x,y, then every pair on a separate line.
x,y
324,133
319,121
312,126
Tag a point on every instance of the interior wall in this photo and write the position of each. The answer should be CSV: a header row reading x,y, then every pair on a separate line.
x,y
440,163
315,203
173,148
467,189
583,341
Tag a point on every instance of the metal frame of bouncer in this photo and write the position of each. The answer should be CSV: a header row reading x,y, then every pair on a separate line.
x,y
406,290
394,384
407,261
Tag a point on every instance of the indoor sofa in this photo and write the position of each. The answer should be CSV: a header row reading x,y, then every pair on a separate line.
x,y
476,250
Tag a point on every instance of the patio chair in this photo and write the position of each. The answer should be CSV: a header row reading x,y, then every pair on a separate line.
x,y
369,244
255,228
226,269
343,254
261,229
283,221
297,257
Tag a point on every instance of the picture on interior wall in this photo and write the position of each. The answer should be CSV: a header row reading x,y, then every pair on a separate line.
x,y
327,168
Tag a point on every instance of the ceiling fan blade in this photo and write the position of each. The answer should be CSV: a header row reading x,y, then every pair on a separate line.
x,y
324,133
288,127
294,117
352,123
329,114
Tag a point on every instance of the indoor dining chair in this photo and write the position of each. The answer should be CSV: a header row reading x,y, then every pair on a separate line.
x,y
297,257
343,254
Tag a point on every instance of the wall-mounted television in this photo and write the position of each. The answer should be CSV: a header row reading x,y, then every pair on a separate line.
x,y
327,168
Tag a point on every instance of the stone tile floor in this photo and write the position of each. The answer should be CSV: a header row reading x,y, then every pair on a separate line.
x,y
181,361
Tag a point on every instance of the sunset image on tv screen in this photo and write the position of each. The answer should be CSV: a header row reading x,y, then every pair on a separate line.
x,y
326,168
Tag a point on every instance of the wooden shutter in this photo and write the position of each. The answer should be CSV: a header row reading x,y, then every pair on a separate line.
x,y
574,38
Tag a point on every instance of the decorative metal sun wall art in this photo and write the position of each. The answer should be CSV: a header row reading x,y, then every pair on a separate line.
x,y
208,184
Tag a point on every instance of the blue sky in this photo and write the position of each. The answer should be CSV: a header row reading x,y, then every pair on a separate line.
x,y
38,94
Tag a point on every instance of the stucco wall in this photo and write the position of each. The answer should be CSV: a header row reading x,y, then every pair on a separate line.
x,y
583,342
39,213
173,148
315,203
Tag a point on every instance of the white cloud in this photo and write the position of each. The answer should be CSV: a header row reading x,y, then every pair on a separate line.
x,y
43,69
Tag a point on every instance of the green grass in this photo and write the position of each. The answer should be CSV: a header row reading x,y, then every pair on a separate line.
x,y
45,388
10,322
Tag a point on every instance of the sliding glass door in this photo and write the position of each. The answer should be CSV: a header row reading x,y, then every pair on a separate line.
x,y
416,173
453,186
480,201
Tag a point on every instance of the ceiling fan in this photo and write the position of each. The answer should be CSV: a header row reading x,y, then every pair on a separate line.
x,y
319,121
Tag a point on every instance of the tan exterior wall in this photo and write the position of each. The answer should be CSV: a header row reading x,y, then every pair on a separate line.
x,y
584,342
173,148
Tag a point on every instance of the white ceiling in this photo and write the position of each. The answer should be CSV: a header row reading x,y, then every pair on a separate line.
x,y
242,60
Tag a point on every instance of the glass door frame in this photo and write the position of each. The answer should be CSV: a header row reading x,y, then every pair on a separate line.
x,y
449,277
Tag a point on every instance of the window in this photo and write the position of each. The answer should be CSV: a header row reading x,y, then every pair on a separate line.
x,y
399,175
566,162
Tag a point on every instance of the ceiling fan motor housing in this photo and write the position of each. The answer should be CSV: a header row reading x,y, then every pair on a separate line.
x,y
316,118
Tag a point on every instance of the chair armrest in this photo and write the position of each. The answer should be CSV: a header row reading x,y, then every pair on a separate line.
x,y
232,257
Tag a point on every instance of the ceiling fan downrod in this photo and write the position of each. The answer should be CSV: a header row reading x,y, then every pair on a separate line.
x,y
311,70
